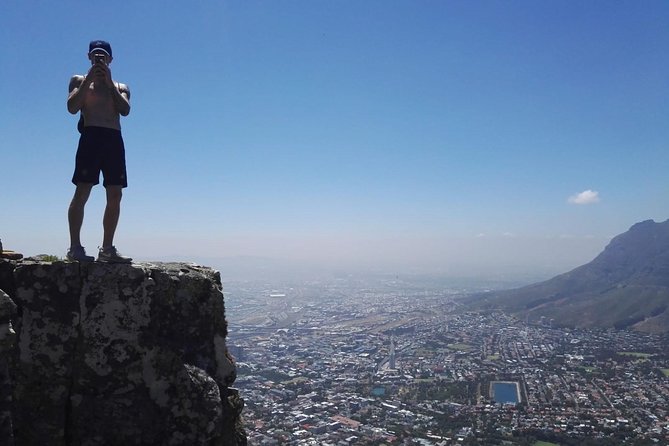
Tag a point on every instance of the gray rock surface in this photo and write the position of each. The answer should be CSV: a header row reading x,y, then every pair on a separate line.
x,y
115,355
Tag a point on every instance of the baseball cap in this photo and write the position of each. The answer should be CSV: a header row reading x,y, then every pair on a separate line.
x,y
100,45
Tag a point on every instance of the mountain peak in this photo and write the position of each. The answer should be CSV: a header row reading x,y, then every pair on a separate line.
x,y
649,226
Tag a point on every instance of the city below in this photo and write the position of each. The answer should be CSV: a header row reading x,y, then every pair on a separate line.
x,y
384,361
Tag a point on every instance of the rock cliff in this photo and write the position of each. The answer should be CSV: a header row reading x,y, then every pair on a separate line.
x,y
100,354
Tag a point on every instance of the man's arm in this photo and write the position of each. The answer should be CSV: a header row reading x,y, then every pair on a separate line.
x,y
120,92
78,87
121,96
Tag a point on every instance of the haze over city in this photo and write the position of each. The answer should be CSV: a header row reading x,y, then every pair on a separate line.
x,y
463,138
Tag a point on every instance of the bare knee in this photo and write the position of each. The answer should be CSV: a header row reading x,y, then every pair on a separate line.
x,y
81,194
114,195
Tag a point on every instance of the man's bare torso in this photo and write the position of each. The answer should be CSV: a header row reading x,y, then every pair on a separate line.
x,y
99,108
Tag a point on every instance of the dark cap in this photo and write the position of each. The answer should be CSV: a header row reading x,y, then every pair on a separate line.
x,y
100,45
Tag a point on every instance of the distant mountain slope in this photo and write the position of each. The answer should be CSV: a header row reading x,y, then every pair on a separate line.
x,y
626,286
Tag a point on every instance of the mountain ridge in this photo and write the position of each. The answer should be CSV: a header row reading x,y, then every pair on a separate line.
x,y
625,286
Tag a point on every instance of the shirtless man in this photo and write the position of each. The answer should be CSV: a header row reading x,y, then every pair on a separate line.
x,y
101,102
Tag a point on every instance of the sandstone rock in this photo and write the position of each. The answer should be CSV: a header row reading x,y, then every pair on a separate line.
x,y
7,254
118,355
11,255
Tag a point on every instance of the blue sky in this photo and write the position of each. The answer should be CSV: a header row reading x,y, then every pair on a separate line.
x,y
447,136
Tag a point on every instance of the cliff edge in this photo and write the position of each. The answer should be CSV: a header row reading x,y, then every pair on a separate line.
x,y
102,354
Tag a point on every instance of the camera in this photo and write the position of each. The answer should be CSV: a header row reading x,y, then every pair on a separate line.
x,y
99,58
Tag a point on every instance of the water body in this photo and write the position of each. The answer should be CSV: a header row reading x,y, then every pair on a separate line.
x,y
378,391
505,392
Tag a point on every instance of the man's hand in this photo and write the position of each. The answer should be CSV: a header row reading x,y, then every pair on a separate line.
x,y
100,72
105,73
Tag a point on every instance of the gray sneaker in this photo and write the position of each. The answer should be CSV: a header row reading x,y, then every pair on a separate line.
x,y
111,255
78,254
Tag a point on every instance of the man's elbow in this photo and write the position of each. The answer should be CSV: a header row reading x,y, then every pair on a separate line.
x,y
72,108
125,111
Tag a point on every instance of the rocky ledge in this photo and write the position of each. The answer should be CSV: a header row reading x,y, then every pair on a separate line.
x,y
100,354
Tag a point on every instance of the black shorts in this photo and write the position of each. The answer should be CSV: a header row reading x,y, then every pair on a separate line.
x,y
100,149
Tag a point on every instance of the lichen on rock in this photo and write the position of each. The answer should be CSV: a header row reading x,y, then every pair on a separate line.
x,y
116,354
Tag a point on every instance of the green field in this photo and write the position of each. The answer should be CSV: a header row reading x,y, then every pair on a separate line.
x,y
545,443
492,357
461,347
666,372
636,354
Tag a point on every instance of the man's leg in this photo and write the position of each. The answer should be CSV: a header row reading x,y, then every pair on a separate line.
x,y
75,213
112,213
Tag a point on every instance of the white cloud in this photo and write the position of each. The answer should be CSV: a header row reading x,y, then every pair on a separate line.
x,y
585,197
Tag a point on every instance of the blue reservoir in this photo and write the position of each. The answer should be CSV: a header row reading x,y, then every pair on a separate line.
x,y
505,392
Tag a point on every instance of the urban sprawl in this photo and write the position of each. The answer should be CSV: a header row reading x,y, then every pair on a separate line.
x,y
385,362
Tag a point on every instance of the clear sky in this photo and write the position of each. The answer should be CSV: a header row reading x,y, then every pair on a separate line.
x,y
459,137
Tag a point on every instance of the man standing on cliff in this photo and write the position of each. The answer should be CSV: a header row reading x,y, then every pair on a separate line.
x,y
101,102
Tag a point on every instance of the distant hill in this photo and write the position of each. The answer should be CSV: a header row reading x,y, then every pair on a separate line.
x,y
625,286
